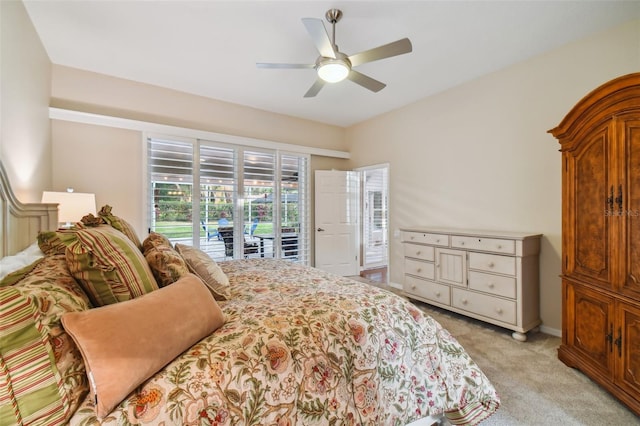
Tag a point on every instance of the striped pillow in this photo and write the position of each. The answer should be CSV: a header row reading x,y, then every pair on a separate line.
x,y
120,224
108,265
31,389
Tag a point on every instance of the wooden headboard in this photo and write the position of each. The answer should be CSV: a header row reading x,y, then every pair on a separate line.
x,y
20,223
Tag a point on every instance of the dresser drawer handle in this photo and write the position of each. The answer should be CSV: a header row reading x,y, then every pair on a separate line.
x,y
490,285
437,241
499,311
465,301
412,237
437,294
418,253
499,246
418,270
491,264
413,287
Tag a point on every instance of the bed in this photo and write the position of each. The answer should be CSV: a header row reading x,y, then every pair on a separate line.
x,y
255,342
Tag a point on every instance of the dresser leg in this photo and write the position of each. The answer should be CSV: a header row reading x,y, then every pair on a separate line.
x,y
520,337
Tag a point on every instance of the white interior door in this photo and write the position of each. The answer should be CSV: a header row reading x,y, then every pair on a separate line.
x,y
336,221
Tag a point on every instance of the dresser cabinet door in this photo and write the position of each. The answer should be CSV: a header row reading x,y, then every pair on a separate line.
x,y
451,267
590,326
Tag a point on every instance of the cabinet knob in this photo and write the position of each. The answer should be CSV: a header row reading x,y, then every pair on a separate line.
x,y
491,264
437,241
437,294
490,285
412,237
462,243
413,287
499,311
465,301
499,246
418,269
418,253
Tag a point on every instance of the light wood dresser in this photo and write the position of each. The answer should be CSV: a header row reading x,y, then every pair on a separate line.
x,y
490,276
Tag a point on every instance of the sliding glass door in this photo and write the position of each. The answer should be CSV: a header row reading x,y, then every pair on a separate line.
x,y
249,202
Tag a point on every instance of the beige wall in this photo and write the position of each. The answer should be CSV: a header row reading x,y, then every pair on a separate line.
x,y
90,92
25,86
478,156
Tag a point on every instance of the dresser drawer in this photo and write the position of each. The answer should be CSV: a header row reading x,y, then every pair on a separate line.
x,y
427,290
418,252
426,238
484,244
493,263
487,306
419,268
493,284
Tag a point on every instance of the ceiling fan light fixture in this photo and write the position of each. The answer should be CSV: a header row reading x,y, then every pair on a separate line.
x,y
333,70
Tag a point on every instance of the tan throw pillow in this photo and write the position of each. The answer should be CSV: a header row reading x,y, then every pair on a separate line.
x,y
165,262
126,343
108,265
201,264
155,239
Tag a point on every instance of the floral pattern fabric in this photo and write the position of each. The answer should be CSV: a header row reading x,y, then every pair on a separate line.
x,y
304,347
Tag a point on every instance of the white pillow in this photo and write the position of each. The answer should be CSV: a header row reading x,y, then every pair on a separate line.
x,y
26,257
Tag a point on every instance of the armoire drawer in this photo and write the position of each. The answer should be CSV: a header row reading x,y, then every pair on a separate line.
x,y
419,268
493,284
425,238
492,263
418,251
427,290
485,305
484,244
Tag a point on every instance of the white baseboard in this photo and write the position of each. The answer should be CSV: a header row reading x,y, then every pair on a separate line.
x,y
551,331
395,285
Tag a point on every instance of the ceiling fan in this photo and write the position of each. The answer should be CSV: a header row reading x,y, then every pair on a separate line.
x,y
332,65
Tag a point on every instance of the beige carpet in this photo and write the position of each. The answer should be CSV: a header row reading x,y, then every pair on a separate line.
x,y
535,388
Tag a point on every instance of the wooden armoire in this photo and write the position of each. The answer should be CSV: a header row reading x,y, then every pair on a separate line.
x,y
600,145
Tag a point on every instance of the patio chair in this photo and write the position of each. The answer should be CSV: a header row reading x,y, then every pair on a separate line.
x,y
226,232
289,242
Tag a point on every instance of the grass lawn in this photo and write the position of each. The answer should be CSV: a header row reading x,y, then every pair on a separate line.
x,y
184,229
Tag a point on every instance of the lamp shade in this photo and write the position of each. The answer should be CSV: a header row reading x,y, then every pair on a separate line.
x,y
72,206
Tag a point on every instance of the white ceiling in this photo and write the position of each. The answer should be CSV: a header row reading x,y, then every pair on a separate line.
x,y
210,48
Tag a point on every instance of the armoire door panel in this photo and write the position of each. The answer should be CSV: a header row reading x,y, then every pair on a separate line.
x,y
593,183
592,323
630,204
628,354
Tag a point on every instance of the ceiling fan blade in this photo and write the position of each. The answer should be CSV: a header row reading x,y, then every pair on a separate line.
x,y
395,48
315,88
366,81
321,39
281,66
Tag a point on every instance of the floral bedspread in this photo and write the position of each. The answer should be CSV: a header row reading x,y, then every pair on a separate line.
x,y
304,347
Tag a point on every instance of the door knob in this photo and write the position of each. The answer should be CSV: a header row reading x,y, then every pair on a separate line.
x,y
320,230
